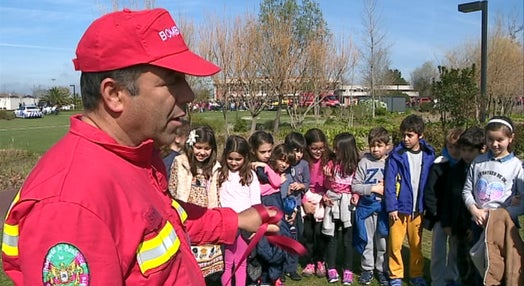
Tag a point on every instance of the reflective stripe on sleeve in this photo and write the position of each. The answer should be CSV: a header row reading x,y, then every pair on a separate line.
x,y
157,250
181,211
10,240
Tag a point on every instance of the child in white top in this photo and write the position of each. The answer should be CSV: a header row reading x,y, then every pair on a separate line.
x,y
496,178
239,189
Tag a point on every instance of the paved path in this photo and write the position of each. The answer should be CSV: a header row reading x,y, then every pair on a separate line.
x,y
6,197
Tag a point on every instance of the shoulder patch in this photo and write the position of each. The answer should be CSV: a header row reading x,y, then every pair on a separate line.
x,y
65,265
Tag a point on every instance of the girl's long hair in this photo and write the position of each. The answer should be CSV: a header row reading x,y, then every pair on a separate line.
x,y
281,152
315,135
238,144
256,140
204,134
346,153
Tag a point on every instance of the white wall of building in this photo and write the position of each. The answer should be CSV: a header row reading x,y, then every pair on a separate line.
x,y
12,102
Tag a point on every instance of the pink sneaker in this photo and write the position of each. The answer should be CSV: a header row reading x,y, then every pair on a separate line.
x,y
332,275
308,270
321,269
278,282
347,279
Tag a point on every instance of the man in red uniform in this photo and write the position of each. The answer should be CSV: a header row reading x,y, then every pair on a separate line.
x,y
95,209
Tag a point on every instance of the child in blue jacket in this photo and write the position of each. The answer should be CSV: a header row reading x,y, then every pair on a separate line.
x,y
406,173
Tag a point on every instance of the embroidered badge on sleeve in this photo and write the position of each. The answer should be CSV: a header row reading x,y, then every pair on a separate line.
x,y
65,265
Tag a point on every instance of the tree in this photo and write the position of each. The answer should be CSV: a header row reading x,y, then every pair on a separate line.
x,y
394,77
505,61
456,93
57,95
423,77
287,30
376,51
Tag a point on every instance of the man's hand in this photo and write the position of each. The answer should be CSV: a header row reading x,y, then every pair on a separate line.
x,y
447,230
250,220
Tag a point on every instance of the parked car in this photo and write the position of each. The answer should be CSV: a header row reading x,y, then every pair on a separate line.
x,y
28,112
325,100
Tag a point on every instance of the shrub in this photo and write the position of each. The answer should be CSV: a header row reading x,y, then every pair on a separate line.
x,y
6,114
241,125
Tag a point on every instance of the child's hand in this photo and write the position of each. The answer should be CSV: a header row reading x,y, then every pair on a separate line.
x,y
309,208
480,216
327,201
255,165
393,215
291,217
327,171
354,199
296,186
378,188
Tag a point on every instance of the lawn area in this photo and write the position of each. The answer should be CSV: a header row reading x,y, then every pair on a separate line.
x,y
34,135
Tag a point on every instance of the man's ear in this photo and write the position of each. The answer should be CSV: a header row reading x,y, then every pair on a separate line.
x,y
421,136
112,95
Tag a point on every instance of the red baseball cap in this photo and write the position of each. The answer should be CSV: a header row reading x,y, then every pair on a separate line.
x,y
126,38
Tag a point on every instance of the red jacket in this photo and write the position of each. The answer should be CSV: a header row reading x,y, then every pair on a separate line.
x,y
99,213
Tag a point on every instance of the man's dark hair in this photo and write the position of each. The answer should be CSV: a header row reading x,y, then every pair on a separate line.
x,y
90,83
473,137
413,123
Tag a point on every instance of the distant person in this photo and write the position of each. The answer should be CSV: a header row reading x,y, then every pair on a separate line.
x,y
318,155
271,175
194,179
298,185
407,170
239,189
443,268
340,202
456,219
177,146
371,219
495,179
101,214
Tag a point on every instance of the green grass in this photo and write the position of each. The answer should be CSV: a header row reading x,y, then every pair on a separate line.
x,y
35,135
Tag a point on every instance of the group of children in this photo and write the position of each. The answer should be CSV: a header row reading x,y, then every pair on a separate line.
x,y
370,202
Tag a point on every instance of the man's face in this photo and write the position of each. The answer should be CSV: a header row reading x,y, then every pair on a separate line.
x,y
155,111
410,139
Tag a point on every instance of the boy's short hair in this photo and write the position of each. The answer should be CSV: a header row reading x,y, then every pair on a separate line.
x,y
378,134
412,123
473,137
453,135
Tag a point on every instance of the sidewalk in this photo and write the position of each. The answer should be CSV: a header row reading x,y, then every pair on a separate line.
x,y
6,197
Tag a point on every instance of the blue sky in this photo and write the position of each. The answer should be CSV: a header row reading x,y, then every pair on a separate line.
x,y
38,37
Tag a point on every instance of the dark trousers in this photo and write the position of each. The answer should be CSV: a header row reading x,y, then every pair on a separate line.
x,y
291,260
313,239
467,270
346,233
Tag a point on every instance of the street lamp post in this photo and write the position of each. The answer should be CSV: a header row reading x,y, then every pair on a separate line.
x,y
472,7
74,94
